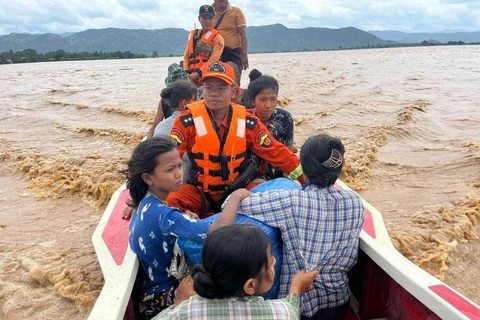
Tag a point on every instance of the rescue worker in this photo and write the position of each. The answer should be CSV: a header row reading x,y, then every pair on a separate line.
x,y
218,136
203,45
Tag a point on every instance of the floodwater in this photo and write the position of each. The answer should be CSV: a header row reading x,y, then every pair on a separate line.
x,y
409,117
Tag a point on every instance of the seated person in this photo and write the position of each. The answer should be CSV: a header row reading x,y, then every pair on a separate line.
x,y
228,284
178,95
175,73
203,46
263,94
320,227
154,170
217,135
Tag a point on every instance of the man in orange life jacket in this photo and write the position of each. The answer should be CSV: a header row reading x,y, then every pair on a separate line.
x,y
218,135
203,45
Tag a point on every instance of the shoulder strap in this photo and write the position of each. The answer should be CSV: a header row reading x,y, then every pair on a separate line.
x,y
219,20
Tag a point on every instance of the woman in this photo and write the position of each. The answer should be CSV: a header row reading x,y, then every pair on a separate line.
x,y
320,227
233,275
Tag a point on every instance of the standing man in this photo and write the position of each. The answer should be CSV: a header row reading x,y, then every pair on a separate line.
x,y
231,24
204,45
217,135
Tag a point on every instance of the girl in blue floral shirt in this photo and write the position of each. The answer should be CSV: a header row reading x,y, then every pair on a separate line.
x,y
155,170
263,93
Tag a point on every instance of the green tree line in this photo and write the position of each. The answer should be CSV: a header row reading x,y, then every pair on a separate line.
x,y
30,55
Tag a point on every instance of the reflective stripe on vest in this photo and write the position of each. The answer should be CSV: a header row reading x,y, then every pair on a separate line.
x,y
206,152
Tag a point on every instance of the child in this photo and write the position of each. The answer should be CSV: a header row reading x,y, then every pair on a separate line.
x,y
155,170
262,94
180,94
320,227
175,73
233,274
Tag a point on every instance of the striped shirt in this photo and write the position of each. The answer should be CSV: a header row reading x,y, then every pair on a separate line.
x,y
246,308
319,227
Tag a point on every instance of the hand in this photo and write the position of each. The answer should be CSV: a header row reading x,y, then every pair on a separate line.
x,y
240,194
191,214
244,61
185,290
127,212
302,180
303,281
194,77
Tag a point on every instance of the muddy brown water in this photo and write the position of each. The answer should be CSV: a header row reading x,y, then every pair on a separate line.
x,y
409,117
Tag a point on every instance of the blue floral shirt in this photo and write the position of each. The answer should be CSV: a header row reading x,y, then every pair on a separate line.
x,y
154,228
280,126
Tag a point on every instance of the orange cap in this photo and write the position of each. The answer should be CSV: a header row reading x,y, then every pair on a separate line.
x,y
218,70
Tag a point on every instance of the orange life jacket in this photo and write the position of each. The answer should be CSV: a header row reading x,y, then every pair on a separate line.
x,y
218,160
196,60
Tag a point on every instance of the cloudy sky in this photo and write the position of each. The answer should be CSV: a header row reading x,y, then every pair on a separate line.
x,y
58,16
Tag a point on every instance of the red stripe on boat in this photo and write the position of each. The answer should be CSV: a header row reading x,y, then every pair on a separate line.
x,y
470,310
368,225
115,233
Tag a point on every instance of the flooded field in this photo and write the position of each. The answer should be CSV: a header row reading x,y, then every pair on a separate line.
x,y
409,117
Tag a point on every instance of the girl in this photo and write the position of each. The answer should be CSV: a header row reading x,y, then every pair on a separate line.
x,y
175,73
180,94
233,274
155,170
262,94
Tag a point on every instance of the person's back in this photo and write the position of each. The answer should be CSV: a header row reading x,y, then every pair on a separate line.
x,y
227,284
320,227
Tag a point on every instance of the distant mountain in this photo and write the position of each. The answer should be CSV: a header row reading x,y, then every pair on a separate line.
x,y
277,37
419,37
272,38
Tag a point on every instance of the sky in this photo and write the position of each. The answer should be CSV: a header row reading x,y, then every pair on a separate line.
x,y
60,16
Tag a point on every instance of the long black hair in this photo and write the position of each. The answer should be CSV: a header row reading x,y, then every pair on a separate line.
x,y
231,255
178,91
144,160
260,82
322,159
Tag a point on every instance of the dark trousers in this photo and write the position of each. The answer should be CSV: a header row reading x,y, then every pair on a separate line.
x,y
334,313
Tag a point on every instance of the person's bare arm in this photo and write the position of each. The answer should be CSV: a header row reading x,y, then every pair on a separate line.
x,y
185,290
227,216
158,117
243,37
303,281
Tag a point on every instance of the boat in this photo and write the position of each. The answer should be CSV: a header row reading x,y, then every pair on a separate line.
x,y
383,284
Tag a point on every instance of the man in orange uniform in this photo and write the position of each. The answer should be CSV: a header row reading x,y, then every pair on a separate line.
x,y
203,46
218,136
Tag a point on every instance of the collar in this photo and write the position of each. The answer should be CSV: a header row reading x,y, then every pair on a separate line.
x,y
224,122
310,186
